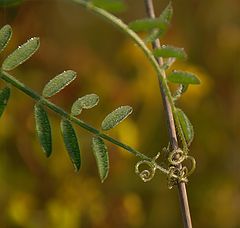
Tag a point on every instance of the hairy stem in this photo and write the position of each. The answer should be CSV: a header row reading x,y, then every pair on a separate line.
x,y
169,110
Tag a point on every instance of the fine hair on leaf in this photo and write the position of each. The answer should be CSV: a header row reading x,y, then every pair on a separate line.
x,y
21,54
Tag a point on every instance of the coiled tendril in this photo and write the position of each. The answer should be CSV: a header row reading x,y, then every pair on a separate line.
x,y
176,168
147,175
177,172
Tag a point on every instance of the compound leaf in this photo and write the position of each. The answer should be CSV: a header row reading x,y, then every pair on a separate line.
x,y
58,83
86,102
43,129
186,126
167,51
115,117
4,96
5,36
182,77
71,143
101,156
21,54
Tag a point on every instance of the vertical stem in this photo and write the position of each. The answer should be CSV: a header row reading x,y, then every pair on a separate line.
x,y
184,206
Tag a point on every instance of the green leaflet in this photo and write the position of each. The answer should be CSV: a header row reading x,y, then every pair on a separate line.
x,y
101,156
113,6
186,126
21,54
165,17
5,36
116,117
182,77
147,24
58,83
167,51
71,143
43,129
86,102
4,96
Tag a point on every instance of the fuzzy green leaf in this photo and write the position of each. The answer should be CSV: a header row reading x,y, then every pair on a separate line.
x,y
71,143
186,126
5,36
167,51
113,6
4,96
147,24
86,102
116,117
182,77
58,83
101,156
21,54
43,129
165,17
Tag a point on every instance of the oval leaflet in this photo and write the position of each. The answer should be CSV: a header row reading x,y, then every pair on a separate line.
x,y
58,83
116,117
186,126
21,54
86,102
101,156
71,143
43,129
147,24
5,36
167,51
183,77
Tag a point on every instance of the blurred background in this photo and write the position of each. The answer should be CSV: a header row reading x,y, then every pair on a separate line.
x,y
40,192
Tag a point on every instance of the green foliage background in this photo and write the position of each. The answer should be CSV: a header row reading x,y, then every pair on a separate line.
x,y
35,192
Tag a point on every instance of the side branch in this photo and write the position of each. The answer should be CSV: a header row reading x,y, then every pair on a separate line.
x,y
59,111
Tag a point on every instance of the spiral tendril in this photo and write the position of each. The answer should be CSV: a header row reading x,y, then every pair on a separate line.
x,y
177,172
146,175
176,157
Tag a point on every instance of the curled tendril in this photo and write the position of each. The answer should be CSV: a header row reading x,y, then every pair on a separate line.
x,y
177,171
180,174
193,165
176,175
176,157
146,175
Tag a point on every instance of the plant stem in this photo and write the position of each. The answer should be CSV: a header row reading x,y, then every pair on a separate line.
x,y
171,126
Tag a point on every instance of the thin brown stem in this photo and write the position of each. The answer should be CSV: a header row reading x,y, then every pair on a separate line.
x,y
171,127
